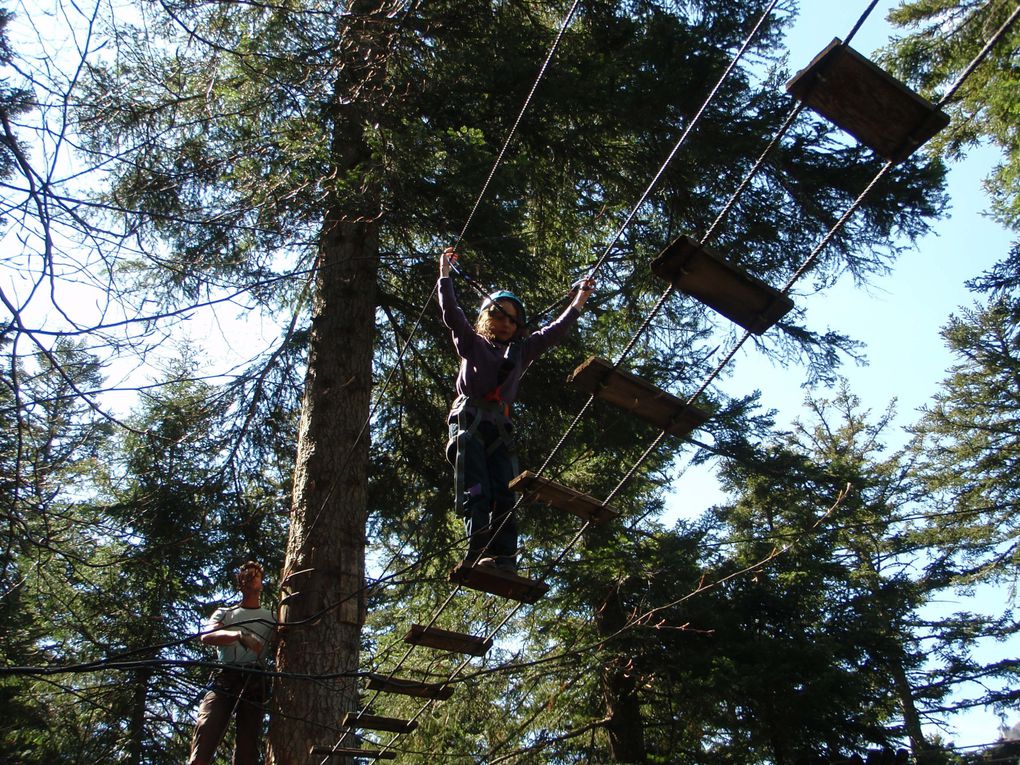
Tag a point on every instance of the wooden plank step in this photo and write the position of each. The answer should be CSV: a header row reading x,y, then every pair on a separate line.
x,y
664,410
376,722
867,102
409,687
556,494
721,285
367,754
445,640
497,582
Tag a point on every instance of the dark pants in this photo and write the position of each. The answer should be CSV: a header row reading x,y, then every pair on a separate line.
x,y
484,465
231,692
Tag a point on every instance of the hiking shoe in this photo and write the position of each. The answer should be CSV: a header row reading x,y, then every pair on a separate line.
x,y
505,563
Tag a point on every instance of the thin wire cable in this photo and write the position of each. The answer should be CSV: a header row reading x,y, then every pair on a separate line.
x,y
542,70
999,34
803,268
608,249
860,22
644,196
513,130
683,138
809,261
881,173
566,22
641,201
527,102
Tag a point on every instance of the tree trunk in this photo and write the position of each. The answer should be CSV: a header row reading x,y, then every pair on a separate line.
x,y
136,734
911,719
619,681
136,725
329,508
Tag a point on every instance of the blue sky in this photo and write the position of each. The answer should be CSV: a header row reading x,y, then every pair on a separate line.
x,y
898,318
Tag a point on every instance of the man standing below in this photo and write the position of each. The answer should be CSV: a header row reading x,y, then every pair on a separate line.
x,y
241,635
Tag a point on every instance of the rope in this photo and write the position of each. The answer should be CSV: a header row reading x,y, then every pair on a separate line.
x,y
527,102
804,267
809,261
661,301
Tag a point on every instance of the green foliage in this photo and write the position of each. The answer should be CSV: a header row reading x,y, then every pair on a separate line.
x,y
966,447
117,549
822,621
14,101
223,129
969,443
946,37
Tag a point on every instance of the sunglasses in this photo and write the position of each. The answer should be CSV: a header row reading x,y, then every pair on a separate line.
x,y
498,311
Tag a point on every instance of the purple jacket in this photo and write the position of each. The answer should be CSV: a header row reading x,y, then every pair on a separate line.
x,y
481,359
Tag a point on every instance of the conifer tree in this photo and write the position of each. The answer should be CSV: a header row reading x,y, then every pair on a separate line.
x,y
966,445
843,601
944,37
250,140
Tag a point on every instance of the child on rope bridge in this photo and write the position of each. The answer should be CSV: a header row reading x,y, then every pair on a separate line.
x,y
494,354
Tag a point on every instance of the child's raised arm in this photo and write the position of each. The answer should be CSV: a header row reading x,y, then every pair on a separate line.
x,y
584,289
446,259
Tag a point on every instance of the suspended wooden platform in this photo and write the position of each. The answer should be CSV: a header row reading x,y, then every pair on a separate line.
x,y
544,490
445,640
367,754
414,688
654,405
867,102
498,582
721,285
375,722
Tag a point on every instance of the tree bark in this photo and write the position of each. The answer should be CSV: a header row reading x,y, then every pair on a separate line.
x,y
624,723
329,507
911,718
136,735
328,513
136,726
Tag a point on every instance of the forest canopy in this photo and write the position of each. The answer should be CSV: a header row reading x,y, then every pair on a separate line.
x,y
221,223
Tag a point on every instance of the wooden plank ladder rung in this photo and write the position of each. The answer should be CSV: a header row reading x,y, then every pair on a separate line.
x,y
633,394
376,722
414,688
498,582
867,102
445,640
721,285
545,490
367,754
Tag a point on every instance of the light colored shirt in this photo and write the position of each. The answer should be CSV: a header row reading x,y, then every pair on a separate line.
x,y
259,622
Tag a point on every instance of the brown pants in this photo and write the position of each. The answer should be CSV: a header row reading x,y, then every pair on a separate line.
x,y
232,692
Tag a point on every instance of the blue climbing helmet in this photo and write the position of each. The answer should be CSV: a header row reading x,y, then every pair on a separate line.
x,y
505,295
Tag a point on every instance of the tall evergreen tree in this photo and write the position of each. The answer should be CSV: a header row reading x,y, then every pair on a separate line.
x,y
967,446
833,622
968,439
13,101
51,442
253,138
945,37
